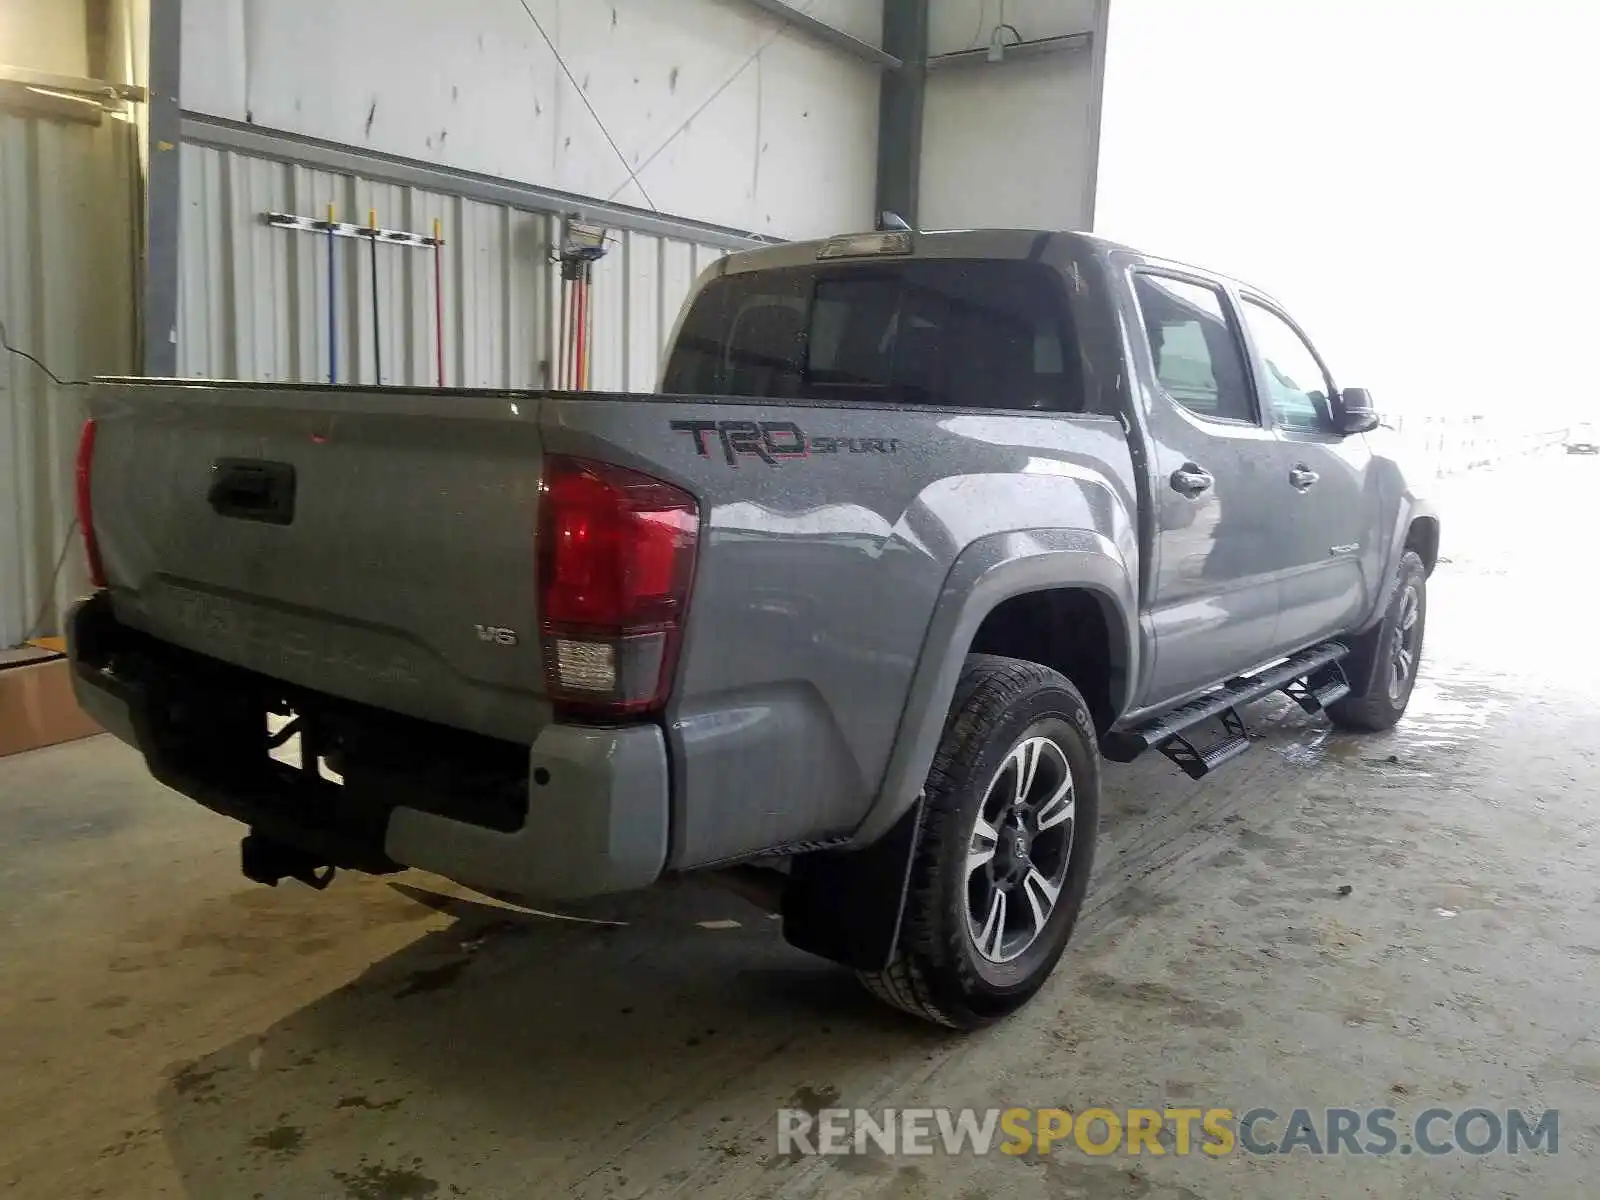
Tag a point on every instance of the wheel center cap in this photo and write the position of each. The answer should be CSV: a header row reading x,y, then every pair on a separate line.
x,y
1017,859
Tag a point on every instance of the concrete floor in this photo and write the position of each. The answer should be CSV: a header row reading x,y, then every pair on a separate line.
x,y
168,1030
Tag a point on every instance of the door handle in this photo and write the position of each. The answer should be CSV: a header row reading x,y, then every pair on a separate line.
x,y
1302,476
1191,480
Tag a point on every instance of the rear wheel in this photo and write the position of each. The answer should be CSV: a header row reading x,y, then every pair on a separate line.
x,y
1007,844
1396,651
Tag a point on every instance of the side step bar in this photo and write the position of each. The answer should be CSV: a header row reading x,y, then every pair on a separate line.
x,y
1313,679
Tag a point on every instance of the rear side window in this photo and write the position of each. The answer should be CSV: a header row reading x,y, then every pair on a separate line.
x,y
1197,356
963,333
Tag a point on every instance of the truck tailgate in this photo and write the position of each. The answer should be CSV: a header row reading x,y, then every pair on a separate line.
x,y
373,544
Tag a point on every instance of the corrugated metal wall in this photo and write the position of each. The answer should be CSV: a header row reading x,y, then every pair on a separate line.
x,y
253,299
68,196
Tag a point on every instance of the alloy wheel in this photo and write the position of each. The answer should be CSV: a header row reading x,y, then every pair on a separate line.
x,y
1019,850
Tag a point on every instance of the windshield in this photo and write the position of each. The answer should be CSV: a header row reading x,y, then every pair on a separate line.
x,y
963,333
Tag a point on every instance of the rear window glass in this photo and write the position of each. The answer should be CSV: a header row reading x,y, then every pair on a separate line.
x,y
967,334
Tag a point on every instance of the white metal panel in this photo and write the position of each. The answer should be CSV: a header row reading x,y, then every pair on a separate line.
x,y
645,319
253,299
1008,144
609,291
727,114
968,24
66,288
677,276
45,35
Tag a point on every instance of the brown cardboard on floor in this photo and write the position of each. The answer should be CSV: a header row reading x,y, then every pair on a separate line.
x,y
37,707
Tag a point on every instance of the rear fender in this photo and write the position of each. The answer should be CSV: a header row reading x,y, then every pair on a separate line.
x,y
988,572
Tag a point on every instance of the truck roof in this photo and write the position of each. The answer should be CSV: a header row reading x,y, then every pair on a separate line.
x,y
967,243
932,243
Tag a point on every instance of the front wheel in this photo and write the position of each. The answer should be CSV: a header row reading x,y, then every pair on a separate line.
x,y
1396,643
1007,844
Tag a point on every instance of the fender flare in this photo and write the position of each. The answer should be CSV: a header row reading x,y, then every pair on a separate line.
x,y
988,572
1410,512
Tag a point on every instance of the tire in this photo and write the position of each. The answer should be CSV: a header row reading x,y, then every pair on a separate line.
x,y
1005,713
1384,702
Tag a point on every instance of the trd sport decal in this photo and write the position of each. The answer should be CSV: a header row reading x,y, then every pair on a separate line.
x,y
774,441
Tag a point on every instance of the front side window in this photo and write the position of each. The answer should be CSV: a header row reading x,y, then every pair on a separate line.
x,y
1197,357
957,332
1296,387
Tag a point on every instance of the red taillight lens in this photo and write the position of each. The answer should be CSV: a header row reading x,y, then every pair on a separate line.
x,y
616,558
85,499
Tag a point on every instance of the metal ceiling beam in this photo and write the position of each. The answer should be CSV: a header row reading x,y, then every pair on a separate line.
x,y
900,103
1013,52
163,193
835,37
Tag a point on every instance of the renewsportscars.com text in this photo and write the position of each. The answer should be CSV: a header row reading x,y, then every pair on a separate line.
x,y
1160,1131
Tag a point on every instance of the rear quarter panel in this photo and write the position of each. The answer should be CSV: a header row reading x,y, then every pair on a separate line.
x,y
818,579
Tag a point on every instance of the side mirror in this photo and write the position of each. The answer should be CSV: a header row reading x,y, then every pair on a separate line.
x,y
1353,411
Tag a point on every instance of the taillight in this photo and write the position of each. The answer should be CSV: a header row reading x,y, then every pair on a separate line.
x,y
85,499
616,558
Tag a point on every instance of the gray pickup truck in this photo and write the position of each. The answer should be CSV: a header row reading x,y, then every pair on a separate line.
x,y
920,528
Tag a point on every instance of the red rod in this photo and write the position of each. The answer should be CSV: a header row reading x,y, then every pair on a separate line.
x,y
438,297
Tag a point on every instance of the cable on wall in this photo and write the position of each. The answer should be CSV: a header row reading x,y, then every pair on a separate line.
x,y
633,175
707,102
5,341
37,626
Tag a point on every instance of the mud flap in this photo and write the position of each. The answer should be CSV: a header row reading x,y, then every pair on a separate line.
x,y
845,905
1361,667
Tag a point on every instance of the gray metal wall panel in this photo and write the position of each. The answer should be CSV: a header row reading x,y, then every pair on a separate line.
x,y
253,299
67,200
643,256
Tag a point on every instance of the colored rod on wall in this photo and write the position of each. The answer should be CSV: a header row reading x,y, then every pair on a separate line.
x,y
438,297
581,322
569,303
377,345
331,229
333,306
584,339
588,316
561,342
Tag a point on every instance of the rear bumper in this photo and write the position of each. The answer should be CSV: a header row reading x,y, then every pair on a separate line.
x,y
589,813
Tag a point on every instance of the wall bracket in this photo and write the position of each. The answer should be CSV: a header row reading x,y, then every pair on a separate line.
x,y
392,237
